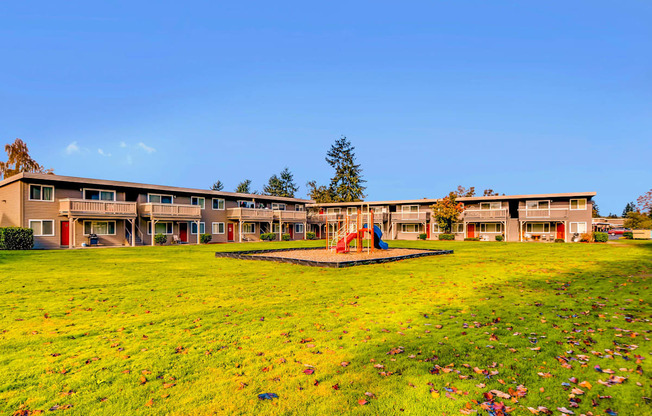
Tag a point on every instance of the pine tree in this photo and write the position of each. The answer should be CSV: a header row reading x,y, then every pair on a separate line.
x,y
630,207
244,187
274,186
217,186
347,184
282,185
320,194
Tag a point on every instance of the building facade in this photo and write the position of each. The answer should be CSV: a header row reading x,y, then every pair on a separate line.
x,y
66,212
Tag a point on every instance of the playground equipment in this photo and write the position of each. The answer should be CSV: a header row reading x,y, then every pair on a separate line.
x,y
345,234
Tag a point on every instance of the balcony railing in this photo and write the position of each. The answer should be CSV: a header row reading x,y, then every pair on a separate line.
x,y
485,214
420,216
251,214
299,216
554,213
171,210
82,207
315,218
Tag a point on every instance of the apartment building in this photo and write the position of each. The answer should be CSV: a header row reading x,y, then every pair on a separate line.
x,y
538,217
66,212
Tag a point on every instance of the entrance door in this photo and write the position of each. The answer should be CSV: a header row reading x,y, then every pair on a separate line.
x,y
291,231
183,232
561,231
65,233
428,231
230,235
470,231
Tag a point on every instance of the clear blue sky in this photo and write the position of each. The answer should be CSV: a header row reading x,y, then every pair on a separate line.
x,y
521,97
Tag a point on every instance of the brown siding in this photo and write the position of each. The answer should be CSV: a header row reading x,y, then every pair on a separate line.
x,y
10,205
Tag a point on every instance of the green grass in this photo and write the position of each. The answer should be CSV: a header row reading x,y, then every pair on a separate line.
x,y
174,330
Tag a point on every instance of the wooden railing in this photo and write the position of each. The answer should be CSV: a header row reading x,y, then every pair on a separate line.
x,y
316,218
171,210
410,216
553,213
253,214
471,214
290,215
71,206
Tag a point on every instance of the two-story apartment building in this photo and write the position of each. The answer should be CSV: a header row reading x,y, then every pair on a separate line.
x,y
66,211
539,217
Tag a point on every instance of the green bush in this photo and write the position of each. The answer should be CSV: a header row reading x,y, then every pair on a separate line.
x,y
628,235
472,239
423,236
286,237
447,236
499,237
310,235
268,236
559,240
205,238
600,237
16,238
160,238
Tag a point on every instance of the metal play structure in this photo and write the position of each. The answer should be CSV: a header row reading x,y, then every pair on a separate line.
x,y
356,227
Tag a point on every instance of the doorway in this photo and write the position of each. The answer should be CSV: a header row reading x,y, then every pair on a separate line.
x,y
183,232
561,231
230,235
65,233
470,231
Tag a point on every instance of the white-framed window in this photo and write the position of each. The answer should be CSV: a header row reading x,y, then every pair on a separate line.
x,y
218,228
378,210
193,228
99,195
490,205
410,228
160,228
578,204
578,227
537,204
491,227
435,228
41,193
298,228
198,200
333,210
248,228
218,204
458,228
351,210
159,198
278,206
42,228
409,208
246,204
537,227
275,227
298,207
99,227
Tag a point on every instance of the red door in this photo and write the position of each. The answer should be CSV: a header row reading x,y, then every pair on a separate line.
x,y
470,231
561,231
230,232
428,231
183,232
65,233
291,230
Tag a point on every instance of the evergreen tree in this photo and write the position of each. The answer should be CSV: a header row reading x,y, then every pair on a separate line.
x,y
282,185
347,184
274,187
217,186
630,207
244,187
596,210
320,194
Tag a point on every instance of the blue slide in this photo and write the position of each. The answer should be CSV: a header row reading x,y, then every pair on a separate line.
x,y
378,243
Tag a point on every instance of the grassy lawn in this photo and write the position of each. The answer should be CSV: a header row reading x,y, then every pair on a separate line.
x,y
173,330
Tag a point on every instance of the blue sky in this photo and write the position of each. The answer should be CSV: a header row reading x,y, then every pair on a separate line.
x,y
521,97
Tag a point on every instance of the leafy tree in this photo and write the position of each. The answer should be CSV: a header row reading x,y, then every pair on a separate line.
x,y
320,194
630,207
244,187
447,211
638,221
217,186
347,184
19,160
490,192
282,185
462,191
645,202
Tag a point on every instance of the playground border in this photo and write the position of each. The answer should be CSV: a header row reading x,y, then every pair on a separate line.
x,y
247,255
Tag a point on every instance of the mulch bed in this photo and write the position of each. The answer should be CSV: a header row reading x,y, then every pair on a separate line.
x,y
320,257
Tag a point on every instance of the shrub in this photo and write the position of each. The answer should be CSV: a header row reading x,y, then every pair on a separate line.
x,y
16,238
472,239
286,237
586,237
628,235
310,235
447,236
160,238
268,236
205,238
423,236
559,240
600,237
499,237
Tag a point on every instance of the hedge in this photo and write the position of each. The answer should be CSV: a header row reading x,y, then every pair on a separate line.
x,y
499,237
422,236
16,238
268,236
447,236
472,239
286,237
310,235
600,237
628,235
205,238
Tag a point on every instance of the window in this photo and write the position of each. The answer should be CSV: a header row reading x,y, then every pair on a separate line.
x,y
378,210
537,227
298,228
193,228
333,210
458,228
491,227
410,228
248,228
351,210
198,200
537,204
278,206
577,204
435,228
41,193
578,227
409,208
246,204
218,204
298,207
218,228
99,227
160,228
490,205
275,228
159,199
98,195
42,228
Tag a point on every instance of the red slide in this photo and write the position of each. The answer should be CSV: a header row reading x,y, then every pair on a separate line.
x,y
344,243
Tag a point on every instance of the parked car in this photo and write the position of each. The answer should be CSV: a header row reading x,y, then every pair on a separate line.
x,y
618,231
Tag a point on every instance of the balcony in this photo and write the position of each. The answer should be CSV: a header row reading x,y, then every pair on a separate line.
x,y
484,214
290,216
250,214
409,217
535,214
315,218
171,211
97,209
